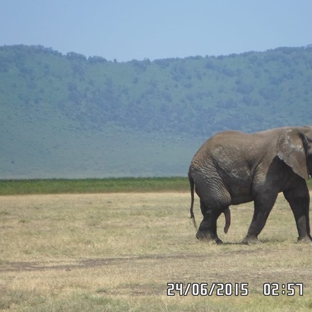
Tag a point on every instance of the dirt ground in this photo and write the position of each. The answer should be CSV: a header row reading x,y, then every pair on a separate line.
x,y
132,245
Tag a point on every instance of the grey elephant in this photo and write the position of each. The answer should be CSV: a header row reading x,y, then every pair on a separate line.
x,y
233,167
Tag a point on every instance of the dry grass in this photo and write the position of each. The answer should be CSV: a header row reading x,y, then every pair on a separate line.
x,y
117,252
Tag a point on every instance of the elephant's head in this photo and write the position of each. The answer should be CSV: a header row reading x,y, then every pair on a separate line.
x,y
294,147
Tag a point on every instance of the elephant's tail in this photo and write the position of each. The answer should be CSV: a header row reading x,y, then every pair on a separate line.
x,y
192,200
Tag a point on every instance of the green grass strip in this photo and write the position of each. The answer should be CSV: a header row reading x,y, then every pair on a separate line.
x,y
111,185
58,186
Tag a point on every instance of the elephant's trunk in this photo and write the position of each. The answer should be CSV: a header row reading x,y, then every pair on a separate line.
x,y
227,215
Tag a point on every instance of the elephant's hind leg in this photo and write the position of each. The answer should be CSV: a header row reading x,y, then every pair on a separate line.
x,y
211,210
214,200
208,227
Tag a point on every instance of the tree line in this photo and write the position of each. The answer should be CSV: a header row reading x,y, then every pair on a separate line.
x,y
196,95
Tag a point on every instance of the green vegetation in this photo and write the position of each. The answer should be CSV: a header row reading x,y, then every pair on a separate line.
x,y
81,186
195,95
57,186
68,116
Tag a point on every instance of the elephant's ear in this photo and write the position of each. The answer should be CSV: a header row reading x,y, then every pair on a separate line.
x,y
290,149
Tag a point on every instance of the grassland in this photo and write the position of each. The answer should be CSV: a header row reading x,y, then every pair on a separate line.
x,y
83,186
59,186
118,251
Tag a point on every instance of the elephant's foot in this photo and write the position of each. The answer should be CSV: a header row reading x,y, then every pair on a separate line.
x,y
304,240
251,240
208,237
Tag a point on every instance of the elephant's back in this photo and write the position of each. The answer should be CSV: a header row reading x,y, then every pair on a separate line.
x,y
222,141
232,147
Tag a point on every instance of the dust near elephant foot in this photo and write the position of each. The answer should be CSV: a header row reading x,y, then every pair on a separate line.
x,y
250,240
207,237
304,240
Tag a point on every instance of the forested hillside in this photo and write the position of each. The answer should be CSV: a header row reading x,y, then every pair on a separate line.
x,y
68,115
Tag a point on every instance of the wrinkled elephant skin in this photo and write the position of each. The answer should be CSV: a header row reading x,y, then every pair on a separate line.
x,y
233,167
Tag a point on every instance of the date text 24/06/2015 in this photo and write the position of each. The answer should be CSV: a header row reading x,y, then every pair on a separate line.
x,y
206,289
232,289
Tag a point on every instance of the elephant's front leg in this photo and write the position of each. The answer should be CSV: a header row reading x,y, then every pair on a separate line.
x,y
208,227
263,207
299,201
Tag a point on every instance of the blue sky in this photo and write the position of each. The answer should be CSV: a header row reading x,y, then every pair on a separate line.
x,y
137,29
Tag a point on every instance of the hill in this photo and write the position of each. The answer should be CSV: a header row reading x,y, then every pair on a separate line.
x,y
68,116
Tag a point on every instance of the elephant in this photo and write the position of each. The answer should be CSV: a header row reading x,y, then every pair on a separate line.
x,y
234,167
